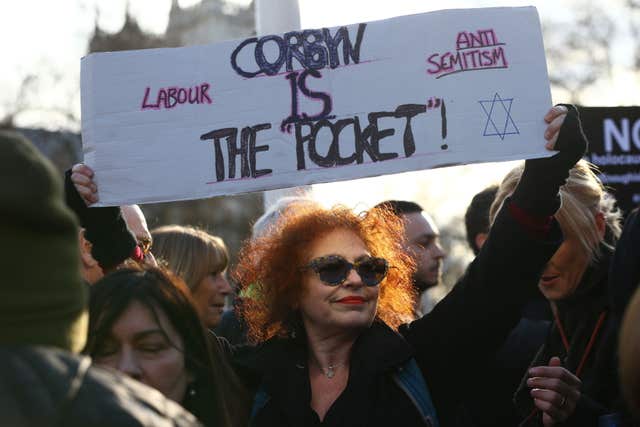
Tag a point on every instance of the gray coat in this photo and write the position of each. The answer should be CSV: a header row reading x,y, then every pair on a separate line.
x,y
47,387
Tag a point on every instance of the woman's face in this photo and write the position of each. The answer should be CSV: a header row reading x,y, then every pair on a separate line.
x,y
564,270
137,347
349,306
209,296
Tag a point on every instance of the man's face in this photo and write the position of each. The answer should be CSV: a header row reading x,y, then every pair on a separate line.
x,y
137,223
421,242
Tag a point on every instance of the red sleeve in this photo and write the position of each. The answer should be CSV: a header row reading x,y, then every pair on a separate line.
x,y
536,226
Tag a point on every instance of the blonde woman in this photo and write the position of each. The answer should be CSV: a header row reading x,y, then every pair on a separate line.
x,y
201,260
570,379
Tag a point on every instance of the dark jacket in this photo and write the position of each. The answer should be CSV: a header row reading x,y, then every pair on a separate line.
x,y
232,327
503,371
624,274
579,316
42,387
474,319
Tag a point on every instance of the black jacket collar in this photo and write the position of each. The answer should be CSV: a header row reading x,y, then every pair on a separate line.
x,y
281,363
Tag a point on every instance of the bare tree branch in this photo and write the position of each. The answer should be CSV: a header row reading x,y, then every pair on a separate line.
x,y
579,54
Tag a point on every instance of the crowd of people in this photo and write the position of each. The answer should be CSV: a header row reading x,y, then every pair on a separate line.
x,y
322,321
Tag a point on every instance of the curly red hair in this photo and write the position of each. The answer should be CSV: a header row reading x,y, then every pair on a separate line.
x,y
270,277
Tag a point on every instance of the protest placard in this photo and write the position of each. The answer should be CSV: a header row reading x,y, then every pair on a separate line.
x,y
614,147
402,94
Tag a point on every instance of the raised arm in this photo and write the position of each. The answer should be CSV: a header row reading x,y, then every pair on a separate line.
x,y
474,319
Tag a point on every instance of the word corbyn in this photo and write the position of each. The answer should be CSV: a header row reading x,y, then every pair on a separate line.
x,y
312,49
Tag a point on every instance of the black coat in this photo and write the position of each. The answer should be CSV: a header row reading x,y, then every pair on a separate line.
x,y
473,320
503,372
624,274
46,387
579,315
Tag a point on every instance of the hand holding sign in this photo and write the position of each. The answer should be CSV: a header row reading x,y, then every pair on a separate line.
x,y
537,191
82,178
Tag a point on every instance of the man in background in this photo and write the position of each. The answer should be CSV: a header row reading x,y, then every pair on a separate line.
x,y
476,219
421,242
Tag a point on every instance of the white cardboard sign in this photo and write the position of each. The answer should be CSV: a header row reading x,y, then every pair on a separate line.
x,y
408,93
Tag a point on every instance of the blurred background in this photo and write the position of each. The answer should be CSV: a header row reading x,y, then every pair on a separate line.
x,y
593,57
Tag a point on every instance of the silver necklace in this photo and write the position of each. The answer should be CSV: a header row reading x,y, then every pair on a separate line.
x,y
330,371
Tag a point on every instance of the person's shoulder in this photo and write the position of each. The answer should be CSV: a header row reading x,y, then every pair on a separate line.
x,y
53,387
221,343
252,362
132,399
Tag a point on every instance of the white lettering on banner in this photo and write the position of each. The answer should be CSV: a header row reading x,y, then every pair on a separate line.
x,y
408,93
625,178
623,134
615,159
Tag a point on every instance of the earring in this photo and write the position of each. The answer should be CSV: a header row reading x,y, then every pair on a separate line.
x,y
191,390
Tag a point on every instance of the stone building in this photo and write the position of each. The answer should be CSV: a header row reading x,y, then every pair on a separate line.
x,y
206,22
209,21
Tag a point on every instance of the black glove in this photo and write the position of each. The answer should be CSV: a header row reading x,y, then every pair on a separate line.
x,y
111,240
537,191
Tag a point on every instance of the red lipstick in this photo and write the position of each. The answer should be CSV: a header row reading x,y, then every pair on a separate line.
x,y
351,300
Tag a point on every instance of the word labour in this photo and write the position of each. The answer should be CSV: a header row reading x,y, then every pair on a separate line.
x,y
311,49
479,50
171,97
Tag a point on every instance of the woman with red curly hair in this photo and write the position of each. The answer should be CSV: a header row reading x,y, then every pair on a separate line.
x,y
328,296
274,266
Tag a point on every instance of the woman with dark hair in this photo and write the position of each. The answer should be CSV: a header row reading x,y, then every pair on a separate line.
x,y
331,293
144,323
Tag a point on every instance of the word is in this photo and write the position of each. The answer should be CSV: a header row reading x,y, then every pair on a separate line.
x,y
299,81
312,49
172,96
474,51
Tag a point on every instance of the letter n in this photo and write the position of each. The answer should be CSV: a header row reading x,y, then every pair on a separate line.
x,y
621,135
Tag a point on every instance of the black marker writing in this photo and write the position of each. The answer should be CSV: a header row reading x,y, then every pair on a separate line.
x,y
246,151
312,49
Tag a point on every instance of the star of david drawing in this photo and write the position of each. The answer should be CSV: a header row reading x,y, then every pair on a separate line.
x,y
499,120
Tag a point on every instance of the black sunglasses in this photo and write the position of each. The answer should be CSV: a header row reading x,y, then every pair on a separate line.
x,y
334,269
